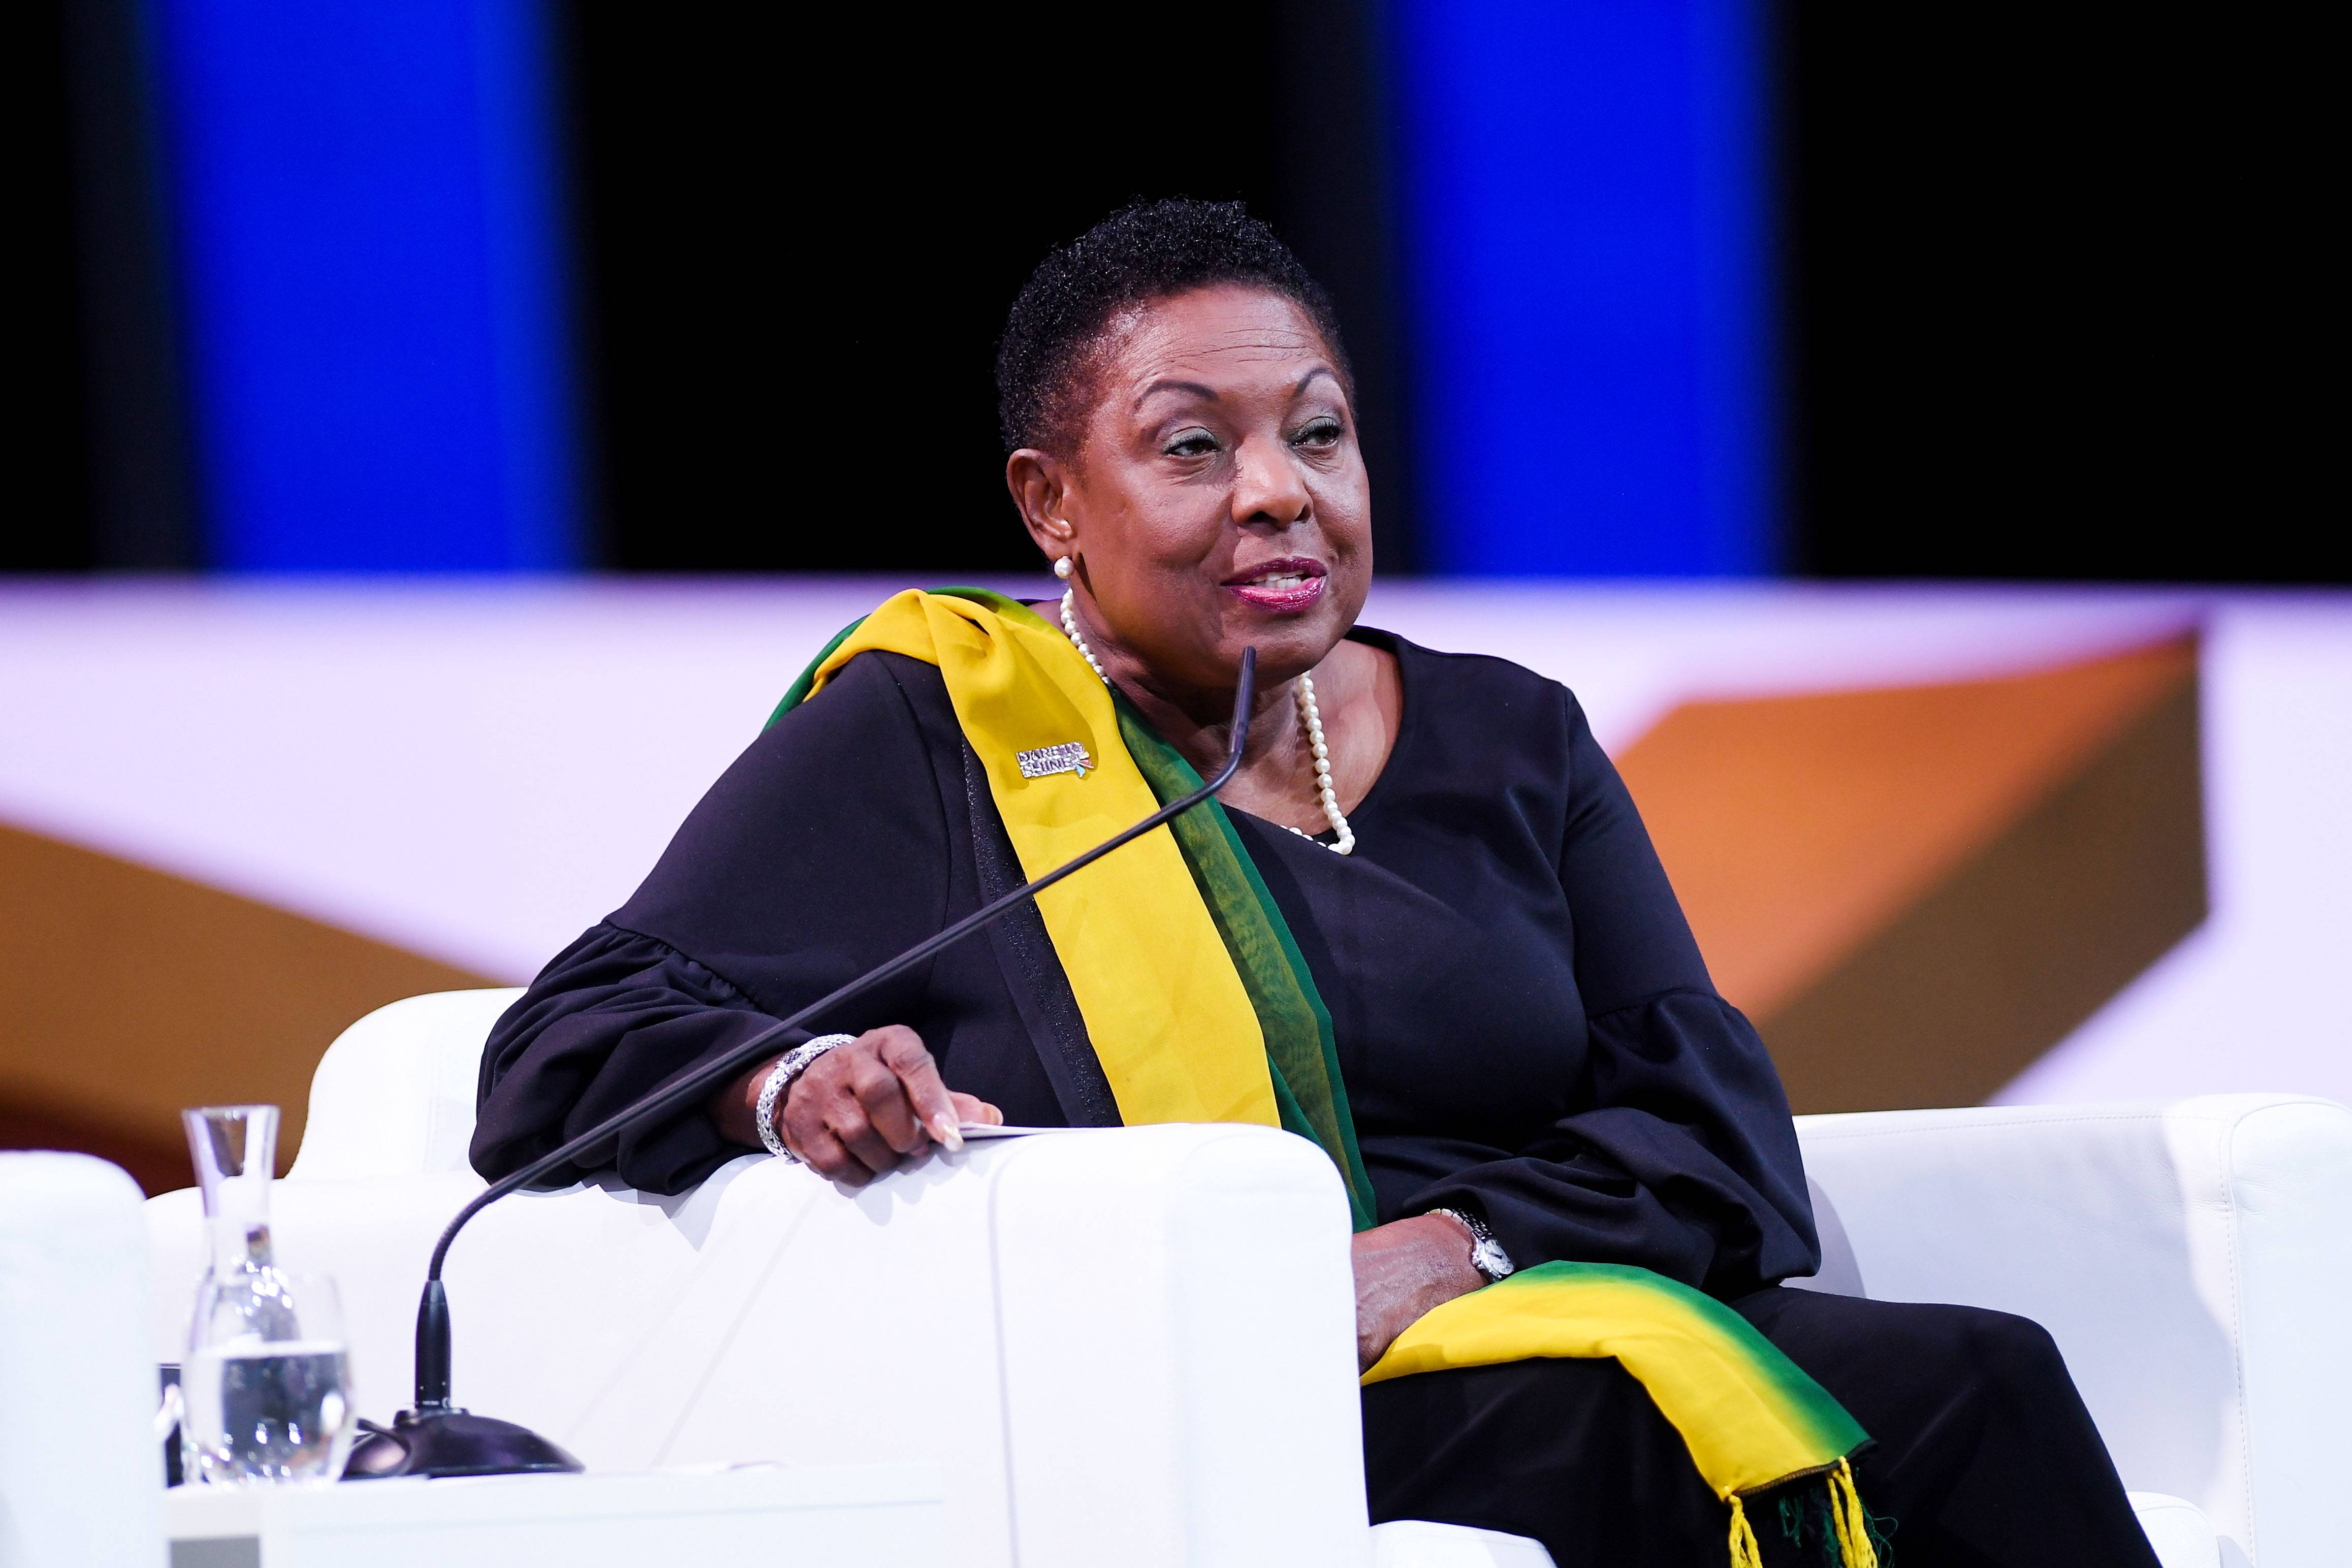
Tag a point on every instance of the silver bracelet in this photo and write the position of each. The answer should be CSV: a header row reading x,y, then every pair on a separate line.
x,y
780,1078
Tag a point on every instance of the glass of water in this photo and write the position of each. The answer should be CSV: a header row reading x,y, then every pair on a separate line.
x,y
266,1387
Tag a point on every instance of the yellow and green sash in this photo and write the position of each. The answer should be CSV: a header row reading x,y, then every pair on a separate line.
x,y
1200,1008
1749,1416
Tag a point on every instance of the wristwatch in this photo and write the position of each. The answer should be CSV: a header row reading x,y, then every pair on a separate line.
x,y
1487,1254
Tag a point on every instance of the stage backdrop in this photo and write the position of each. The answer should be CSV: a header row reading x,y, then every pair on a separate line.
x,y
1945,847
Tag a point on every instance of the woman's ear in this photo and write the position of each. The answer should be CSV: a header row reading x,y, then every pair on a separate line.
x,y
1040,486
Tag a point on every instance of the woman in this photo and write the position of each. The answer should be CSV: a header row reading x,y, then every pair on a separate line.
x,y
1524,1061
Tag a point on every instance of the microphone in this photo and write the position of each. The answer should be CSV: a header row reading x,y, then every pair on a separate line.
x,y
439,1438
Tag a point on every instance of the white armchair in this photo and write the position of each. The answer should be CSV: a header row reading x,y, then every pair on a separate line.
x,y
1136,1345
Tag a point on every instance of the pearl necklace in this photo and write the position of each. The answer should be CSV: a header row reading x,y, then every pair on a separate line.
x,y
1310,717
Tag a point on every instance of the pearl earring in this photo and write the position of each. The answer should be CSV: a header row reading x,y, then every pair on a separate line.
x,y
1062,568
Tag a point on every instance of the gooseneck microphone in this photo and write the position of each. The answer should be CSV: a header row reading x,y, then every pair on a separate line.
x,y
439,1438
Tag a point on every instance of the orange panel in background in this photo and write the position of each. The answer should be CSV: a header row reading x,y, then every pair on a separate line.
x,y
1916,891
127,994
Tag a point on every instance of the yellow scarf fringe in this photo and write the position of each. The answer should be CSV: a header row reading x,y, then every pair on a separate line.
x,y
1745,1552
1853,1524
1847,1520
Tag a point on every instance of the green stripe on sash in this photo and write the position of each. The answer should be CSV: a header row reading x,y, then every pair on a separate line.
x,y
1308,1088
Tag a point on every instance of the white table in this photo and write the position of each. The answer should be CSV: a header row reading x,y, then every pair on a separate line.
x,y
878,1516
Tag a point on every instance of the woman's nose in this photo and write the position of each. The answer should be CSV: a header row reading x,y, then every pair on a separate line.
x,y
1267,486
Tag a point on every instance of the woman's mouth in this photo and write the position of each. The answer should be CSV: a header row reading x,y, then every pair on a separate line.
x,y
1292,583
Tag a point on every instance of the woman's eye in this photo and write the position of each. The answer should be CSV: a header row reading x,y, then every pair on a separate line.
x,y
1317,432
1192,444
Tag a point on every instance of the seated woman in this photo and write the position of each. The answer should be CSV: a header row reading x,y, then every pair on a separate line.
x,y
1470,978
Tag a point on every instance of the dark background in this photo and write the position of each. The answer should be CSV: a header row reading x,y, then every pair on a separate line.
x,y
2055,293
2053,285
45,525
797,286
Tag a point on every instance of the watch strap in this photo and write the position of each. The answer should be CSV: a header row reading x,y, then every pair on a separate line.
x,y
1487,1254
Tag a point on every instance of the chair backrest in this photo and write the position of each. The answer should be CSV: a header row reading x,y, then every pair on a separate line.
x,y
2190,1260
1841,1272
394,1094
82,1471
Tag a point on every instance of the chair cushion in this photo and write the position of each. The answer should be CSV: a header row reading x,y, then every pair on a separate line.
x,y
2176,1529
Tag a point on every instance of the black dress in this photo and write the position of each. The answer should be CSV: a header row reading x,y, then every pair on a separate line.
x,y
1526,1030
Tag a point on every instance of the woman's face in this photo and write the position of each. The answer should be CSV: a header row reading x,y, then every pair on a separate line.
x,y
1217,499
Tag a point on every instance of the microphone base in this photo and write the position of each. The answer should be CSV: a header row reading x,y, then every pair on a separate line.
x,y
453,1442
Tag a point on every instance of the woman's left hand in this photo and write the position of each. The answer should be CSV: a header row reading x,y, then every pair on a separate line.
x,y
1403,1269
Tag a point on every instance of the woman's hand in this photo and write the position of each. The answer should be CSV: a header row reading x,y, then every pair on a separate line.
x,y
1403,1269
860,1108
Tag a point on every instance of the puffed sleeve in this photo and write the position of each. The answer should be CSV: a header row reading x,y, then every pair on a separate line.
x,y
612,1017
1680,1155
821,851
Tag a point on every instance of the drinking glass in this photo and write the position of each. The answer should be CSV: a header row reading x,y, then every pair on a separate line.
x,y
266,1391
266,1385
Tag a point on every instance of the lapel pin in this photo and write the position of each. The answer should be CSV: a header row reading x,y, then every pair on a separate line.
x,y
1048,760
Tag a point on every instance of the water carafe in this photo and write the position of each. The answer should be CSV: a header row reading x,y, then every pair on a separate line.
x,y
266,1384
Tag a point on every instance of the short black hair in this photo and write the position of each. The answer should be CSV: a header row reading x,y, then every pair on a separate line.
x,y
1143,252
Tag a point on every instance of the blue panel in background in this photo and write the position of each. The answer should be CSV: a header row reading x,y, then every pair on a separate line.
x,y
372,254
1588,239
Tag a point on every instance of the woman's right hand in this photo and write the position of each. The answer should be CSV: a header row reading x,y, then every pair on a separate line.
x,y
862,1107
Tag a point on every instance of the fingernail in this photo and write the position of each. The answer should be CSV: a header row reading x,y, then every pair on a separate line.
x,y
943,1128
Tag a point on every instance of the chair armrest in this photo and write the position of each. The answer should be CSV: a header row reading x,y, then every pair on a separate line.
x,y
1132,1345
81,1471
2189,1259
